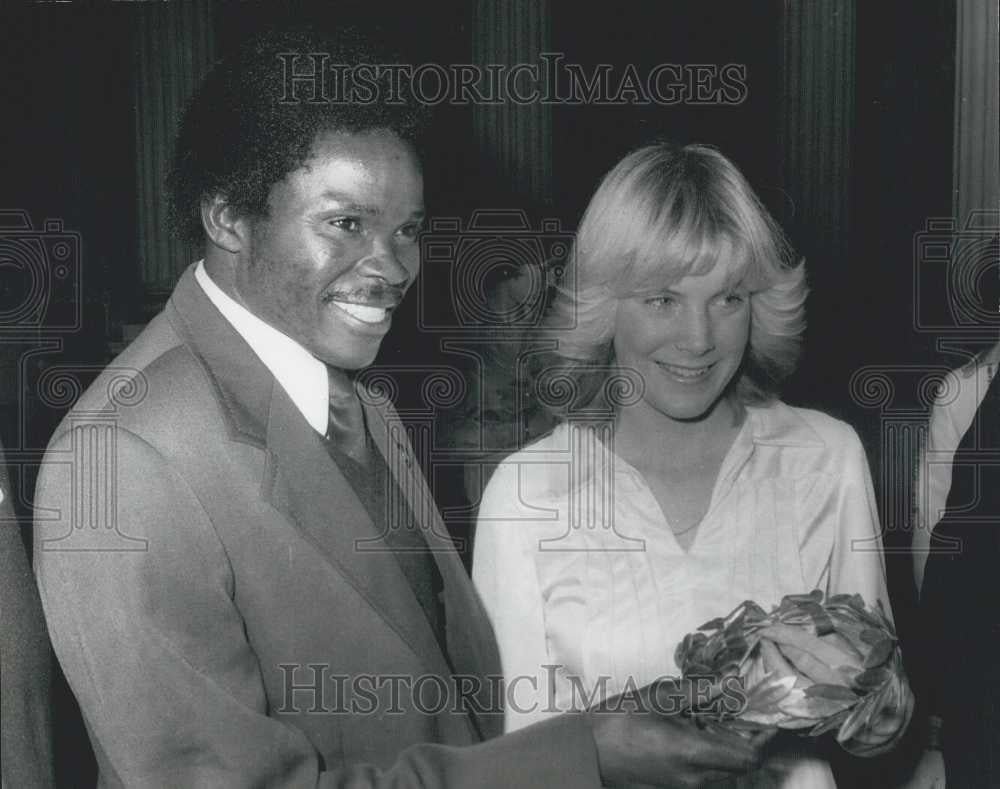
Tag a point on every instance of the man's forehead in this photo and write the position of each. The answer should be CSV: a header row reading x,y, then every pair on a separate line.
x,y
349,201
357,170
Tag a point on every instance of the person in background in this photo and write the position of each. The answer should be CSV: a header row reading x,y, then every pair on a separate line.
x,y
26,758
956,552
497,413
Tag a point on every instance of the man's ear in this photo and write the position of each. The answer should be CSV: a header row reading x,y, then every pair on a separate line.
x,y
223,226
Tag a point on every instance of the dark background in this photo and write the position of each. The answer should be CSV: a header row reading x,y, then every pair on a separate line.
x,y
69,153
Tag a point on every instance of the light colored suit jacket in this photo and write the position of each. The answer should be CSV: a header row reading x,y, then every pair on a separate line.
x,y
215,593
25,661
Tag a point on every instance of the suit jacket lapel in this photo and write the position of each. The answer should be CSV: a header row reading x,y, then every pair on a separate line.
x,y
304,483
471,644
301,480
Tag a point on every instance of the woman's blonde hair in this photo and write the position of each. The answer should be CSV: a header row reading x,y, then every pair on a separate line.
x,y
663,213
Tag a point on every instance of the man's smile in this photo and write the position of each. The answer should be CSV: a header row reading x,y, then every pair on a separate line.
x,y
363,312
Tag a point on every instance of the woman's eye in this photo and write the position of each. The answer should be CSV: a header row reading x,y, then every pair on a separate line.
x,y
659,302
733,299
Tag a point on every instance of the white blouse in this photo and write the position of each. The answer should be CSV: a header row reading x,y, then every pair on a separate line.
x,y
587,588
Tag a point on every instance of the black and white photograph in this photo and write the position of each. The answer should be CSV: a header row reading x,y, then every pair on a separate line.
x,y
500,393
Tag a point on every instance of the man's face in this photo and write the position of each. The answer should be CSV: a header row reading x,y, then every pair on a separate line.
x,y
339,246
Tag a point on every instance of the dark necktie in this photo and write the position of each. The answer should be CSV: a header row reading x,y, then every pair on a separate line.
x,y
369,476
346,428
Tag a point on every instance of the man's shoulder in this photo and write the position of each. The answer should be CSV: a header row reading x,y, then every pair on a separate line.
x,y
156,384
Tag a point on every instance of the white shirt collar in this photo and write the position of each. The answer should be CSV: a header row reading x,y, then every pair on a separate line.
x,y
298,372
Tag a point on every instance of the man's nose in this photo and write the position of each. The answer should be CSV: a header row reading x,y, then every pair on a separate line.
x,y
383,263
697,335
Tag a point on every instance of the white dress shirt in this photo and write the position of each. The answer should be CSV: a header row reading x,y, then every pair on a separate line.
x,y
298,372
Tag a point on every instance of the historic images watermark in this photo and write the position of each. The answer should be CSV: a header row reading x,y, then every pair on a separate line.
x,y
316,689
313,78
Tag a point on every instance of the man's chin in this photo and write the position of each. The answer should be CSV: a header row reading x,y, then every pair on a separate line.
x,y
349,356
348,364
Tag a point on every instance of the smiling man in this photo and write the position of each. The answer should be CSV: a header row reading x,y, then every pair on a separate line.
x,y
336,251
243,574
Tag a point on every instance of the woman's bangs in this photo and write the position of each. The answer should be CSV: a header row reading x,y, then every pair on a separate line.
x,y
690,249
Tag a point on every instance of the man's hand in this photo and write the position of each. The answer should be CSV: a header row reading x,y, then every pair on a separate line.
x,y
644,739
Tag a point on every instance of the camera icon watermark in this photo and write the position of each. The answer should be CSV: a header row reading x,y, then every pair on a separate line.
x,y
956,285
40,276
498,271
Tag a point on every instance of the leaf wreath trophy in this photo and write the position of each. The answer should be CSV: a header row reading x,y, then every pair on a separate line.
x,y
810,665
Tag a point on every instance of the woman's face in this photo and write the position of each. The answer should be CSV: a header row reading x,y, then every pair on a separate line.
x,y
687,342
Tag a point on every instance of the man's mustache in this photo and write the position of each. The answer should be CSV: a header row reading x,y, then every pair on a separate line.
x,y
384,296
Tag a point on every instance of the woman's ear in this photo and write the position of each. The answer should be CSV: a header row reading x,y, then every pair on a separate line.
x,y
223,227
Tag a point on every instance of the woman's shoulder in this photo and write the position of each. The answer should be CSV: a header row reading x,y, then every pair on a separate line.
x,y
541,469
781,423
557,445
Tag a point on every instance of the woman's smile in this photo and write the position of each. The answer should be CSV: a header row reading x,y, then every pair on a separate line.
x,y
686,374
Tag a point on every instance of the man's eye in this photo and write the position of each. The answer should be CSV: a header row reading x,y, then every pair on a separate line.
x,y
659,302
346,223
412,230
733,299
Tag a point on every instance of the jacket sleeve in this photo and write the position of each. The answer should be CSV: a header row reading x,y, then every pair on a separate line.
x,y
25,661
139,597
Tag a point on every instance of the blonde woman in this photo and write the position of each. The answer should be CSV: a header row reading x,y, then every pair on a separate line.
x,y
678,485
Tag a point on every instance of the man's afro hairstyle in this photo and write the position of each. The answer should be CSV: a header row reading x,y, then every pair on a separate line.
x,y
249,126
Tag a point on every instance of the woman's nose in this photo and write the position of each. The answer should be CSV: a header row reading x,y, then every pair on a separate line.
x,y
696,336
